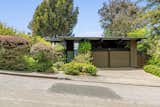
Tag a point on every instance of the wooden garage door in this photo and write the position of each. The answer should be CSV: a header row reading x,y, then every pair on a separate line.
x,y
100,58
119,58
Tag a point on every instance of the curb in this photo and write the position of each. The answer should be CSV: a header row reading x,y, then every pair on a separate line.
x,y
64,78
35,76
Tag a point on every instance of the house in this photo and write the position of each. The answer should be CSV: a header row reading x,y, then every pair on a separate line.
x,y
106,52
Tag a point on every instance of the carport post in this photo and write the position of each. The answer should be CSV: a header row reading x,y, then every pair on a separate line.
x,y
133,50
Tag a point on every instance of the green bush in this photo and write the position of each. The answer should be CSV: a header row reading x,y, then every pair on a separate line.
x,y
75,68
153,69
52,69
59,53
89,69
58,65
83,58
12,50
30,63
4,30
154,61
84,47
43,55
71,69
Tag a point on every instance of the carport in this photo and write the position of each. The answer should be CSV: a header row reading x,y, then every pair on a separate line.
x,y
106,52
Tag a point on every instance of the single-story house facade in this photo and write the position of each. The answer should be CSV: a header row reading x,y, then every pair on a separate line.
x,y
106,52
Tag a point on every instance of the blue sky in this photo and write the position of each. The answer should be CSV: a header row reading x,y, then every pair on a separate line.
x,y
18,13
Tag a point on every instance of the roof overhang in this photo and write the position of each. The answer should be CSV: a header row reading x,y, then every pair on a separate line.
x,y
95,38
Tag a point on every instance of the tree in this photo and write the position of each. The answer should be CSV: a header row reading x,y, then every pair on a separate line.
x,y
4,30
117,17
151,17
53,18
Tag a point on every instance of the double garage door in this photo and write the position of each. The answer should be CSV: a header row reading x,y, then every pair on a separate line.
x,y
106,59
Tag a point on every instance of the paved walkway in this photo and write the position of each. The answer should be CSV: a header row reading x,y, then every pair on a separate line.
x,y
125,76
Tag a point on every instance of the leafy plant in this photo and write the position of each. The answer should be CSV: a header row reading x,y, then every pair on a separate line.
x,y
75,68
43,55
84,47
59,53
153,69
83,58
4,30
71,69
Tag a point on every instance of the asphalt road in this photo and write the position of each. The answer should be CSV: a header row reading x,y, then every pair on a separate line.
x,y
34,92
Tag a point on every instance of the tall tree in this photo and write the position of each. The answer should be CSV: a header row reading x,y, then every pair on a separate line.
x,y
53,18
152,15
117,17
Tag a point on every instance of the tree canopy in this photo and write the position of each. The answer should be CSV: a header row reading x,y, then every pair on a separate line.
x,y
117,17
4,30
152,16
53,18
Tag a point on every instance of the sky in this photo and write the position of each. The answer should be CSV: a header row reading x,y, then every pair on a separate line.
x,y
18,13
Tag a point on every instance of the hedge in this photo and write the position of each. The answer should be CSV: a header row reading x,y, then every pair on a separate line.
x,y
12,50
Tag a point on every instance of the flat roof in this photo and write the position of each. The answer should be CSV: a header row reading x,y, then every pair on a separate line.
x,y
95,38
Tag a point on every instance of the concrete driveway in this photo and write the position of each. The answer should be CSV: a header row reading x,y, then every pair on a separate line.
x,y
128,76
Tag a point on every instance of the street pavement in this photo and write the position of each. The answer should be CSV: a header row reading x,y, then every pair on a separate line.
x,y
37,92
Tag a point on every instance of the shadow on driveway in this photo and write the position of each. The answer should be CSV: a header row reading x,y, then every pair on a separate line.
x,y
91,91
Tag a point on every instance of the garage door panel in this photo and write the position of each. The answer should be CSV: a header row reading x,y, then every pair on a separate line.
x,y
100,58
119,59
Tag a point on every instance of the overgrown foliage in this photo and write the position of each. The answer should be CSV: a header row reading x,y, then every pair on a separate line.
x,y
54,18
152,19
16,52
117,17
81,64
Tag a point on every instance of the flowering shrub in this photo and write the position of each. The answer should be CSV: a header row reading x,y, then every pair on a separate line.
x,y
12,50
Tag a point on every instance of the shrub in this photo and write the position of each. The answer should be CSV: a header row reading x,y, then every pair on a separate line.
x,y
59,53
12,50
4,30
84,47
153,69
74,68
52,69
30,63
154,61
43,54
89,69
83,58
71,69
58,65
38,39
